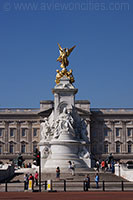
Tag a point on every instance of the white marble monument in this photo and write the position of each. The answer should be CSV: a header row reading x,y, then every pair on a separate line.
x,y
64,134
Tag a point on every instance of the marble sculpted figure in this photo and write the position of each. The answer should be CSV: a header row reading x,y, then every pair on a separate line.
x,y
64,122
76,126
45,129
67,122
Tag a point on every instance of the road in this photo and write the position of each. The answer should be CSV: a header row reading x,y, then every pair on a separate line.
x,y
66,196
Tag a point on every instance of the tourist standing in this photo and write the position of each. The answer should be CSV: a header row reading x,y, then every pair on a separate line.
x,y
57,172
32,179
97,180
36,178
112,166
87,182
26,181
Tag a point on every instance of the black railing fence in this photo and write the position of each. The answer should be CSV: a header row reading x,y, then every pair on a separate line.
x,y
68,185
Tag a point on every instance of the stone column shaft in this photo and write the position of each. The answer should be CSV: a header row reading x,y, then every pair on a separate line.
x,y
18,137
29,137
123,139
112,139
6,137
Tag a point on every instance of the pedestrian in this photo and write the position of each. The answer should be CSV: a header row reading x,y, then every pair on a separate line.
x,y
69,165
27,181
103,165
106,166
97,165
97,180
73,168
29,165
32,179
24,182
87,182
112,166
57,172
36,178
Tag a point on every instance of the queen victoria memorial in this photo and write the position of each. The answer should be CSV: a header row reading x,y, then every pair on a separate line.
x,y
66,129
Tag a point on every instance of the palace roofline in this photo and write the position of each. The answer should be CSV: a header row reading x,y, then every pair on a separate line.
x,y
35,111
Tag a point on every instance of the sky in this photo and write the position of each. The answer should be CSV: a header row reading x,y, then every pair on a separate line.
x,y
102,61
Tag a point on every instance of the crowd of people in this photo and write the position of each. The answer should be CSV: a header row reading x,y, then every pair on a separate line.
x,y
105,166
26,165
28,177
87,181
71,168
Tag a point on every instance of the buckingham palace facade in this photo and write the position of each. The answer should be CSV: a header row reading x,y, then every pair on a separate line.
x,y
111,130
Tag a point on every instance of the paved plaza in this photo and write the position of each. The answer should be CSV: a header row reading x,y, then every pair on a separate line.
x,y
68,196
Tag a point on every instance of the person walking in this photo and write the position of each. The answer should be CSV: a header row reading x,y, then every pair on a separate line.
x,y
58,172
97,165
87,182
103,165
26,181
73,168
97,180
36,178
69,165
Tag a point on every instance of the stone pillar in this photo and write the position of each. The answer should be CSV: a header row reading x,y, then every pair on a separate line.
x,y
29,150
100,141
123,137
64,96
112,138
18,138
6,137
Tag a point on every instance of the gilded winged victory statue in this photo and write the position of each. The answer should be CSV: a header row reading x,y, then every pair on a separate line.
x,y
64,53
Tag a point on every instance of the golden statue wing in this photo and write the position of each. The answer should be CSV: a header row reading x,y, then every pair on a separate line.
x,y
70,50
59,58
60,48
61,52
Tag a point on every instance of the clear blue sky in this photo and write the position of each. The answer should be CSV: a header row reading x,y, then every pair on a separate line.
x,y
102,61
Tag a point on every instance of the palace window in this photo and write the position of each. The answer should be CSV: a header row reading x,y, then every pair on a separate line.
x,y
1,132
129,132
12,132
23,148
105,132
11,149
129,147
34,132
106,148
23,132
117,132
34,146
118,147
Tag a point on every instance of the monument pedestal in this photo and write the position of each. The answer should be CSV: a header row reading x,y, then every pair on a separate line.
x,y
64,133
